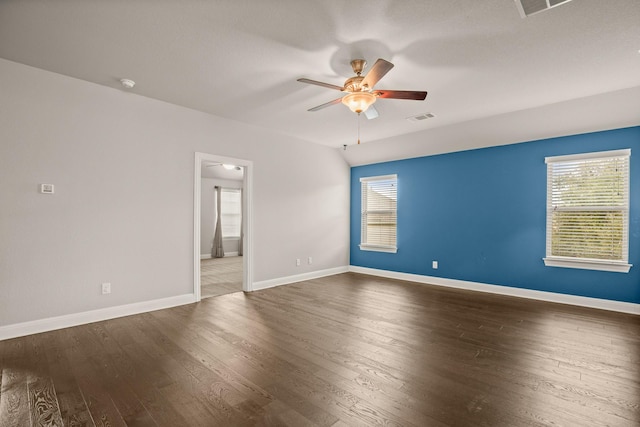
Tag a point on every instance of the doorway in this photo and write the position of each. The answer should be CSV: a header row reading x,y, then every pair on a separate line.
x,y
215,276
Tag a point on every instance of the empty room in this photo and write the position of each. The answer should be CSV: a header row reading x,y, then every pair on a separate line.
x,y
320,213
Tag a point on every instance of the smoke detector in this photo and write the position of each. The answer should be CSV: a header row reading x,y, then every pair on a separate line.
x,y
531,7
128,84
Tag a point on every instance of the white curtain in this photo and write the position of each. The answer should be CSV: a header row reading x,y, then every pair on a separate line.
x,y
217,250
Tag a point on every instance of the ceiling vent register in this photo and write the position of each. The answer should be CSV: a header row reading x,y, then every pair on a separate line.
x,y
531,7
421,117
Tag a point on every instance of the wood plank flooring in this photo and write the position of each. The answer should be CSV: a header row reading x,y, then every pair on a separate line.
x,y
220,276
345,350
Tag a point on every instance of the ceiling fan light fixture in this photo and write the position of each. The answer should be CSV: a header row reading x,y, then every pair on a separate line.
x,y
360,94
358,102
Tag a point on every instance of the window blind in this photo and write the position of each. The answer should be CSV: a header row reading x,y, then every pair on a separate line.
x,y
379,212
588,206
231,208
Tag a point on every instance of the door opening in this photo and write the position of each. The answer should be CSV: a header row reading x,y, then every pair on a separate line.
x,y
232,178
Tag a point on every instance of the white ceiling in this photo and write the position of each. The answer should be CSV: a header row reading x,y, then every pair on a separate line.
x,y
479,60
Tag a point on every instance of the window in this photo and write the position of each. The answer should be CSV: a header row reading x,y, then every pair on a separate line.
x,y
379,217
588,211
231,208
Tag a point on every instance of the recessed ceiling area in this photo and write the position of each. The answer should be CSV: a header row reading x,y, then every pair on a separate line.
x,y
480,62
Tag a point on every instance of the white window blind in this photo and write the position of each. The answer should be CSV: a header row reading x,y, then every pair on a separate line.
x,y
379,213
231,212
588,211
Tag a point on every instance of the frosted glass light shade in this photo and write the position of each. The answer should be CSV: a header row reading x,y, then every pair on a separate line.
x,y
359,101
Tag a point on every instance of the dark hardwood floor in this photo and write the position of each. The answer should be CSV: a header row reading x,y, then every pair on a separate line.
x,y
345,350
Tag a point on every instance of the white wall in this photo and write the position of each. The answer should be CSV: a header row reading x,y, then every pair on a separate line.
x,y
122,213
208,215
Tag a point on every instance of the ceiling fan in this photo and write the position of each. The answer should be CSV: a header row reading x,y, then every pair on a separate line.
x,y
360,93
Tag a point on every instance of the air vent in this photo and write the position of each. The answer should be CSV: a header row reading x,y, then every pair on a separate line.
x,y
421,117
531,7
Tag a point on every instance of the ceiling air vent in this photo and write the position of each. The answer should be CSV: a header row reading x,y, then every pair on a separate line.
x,y
421,117
531,7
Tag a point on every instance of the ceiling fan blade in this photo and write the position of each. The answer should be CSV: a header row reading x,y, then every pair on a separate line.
x,y
326,104
314,82
401,94
379,69
371,112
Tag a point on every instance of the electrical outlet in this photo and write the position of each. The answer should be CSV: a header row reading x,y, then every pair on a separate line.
x,y
106,288
297,262
310,260
47,188
434,265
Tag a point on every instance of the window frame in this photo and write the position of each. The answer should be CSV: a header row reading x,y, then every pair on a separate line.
x,y
223,213
364,245
550,260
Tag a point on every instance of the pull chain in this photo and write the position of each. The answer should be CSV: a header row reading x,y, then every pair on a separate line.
x,y
358,128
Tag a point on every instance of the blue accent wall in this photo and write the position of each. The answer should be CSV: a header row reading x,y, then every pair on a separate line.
x,y
482,215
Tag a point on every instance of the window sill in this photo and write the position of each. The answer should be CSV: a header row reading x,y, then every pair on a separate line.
x,y
374,248
588,264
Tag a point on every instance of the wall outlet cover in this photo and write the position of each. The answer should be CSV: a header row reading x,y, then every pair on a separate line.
x,y
47,188
106,288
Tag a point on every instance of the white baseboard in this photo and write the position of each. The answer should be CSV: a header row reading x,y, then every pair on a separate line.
x,y
265,284
205,256
66,321
602,304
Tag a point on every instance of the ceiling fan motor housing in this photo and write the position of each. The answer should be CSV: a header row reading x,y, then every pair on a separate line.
x,y
358,65
353,84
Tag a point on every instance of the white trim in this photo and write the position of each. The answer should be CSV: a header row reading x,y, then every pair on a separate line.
x,y
374,248
265,284
584,264
69,320
378,178
197,206
602,304
626,152
205,256
247,261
